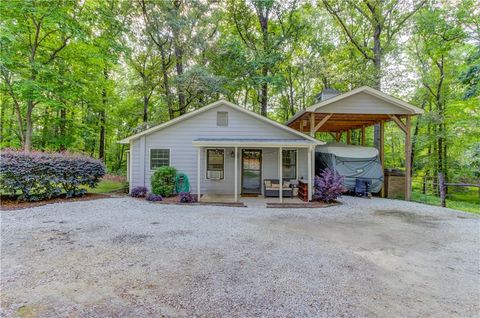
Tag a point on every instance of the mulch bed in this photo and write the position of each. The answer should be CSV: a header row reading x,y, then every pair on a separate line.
x,y
302,205
175,200
8,203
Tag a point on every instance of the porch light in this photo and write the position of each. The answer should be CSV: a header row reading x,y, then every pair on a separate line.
x,y
232,154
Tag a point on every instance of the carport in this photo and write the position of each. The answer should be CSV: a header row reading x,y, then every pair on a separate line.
x,y
359,109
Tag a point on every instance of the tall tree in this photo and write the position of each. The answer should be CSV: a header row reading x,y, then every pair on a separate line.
x,y
372,26
265,32
36,33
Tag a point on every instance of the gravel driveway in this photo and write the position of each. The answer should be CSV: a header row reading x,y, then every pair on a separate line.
x,y
125,257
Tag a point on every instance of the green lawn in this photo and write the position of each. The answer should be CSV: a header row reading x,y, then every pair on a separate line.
x,y
105,186
465,201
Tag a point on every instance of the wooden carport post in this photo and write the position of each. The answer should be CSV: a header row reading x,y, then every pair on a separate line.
x,y
382,154
408,153
408,161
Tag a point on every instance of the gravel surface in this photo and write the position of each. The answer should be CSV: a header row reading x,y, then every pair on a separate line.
x,y
124,257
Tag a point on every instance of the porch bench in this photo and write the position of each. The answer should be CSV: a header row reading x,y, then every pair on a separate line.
x,y
271,188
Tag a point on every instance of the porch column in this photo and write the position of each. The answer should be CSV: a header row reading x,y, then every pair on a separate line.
x,y
236,174
310,185
199,152
280,173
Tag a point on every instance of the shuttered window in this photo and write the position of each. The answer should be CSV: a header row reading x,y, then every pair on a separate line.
x,y
222,119
159,158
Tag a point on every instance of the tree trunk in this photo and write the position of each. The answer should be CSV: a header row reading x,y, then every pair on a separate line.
x,y
145,108
102,119
166,82
27,146
263,19
377,57
2,121
178,50
63,120
179,68
264,92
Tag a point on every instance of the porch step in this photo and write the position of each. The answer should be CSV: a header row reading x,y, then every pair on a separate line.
x,y
303,205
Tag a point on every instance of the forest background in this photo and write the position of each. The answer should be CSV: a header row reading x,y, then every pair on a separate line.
x,y
80,75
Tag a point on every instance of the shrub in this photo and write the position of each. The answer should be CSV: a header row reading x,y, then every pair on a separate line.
x,y
328,186
154,197
40,175
139,192
163,181
187,197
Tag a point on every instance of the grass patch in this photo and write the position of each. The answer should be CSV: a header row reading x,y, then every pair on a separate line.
x,y
106,186
467,201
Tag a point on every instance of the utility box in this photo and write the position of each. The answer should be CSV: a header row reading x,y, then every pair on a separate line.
x,y
394,187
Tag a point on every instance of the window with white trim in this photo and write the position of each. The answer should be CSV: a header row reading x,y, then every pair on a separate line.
x,y
159,158
222,119
289,164
215,163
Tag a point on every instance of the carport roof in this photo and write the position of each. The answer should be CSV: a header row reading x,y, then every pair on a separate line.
x,y
363,106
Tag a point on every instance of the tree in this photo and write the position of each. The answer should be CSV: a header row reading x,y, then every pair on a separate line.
x,y
265,32
372,26
36,33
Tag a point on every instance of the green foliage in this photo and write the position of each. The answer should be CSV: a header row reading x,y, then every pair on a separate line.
x,y
163,181
39,175
81,75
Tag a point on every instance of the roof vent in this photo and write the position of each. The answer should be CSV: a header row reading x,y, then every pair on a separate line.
x,y
326,94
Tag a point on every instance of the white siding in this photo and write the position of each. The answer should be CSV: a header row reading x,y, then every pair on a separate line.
x,y
362,103
183,155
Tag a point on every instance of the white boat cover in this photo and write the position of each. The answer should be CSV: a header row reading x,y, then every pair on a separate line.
x,y
347,151
352,162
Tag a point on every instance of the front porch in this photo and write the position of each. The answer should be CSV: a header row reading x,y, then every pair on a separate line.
x,y
239,170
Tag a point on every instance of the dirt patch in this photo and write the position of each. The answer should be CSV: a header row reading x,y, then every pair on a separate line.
x,y
410,217
10,204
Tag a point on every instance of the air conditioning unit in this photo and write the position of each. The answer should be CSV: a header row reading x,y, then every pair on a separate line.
x,y
215,175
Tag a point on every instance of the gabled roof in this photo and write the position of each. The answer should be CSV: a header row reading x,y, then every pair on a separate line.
x,y
403,107
214,105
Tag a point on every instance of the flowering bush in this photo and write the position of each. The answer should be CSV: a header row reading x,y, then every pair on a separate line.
x,y
187,197
328,186
154,197
139,192
40,175
163,181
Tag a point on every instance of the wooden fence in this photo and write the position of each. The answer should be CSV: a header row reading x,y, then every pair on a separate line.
x,y
439,187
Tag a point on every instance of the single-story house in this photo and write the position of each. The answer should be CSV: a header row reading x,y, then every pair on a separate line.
x,y
224,149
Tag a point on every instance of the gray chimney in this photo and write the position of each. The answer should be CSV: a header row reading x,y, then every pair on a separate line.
x,y
326,94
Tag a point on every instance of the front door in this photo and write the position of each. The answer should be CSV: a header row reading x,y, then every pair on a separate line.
x,y
251,171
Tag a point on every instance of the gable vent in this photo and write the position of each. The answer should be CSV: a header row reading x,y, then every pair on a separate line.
x,y
222,119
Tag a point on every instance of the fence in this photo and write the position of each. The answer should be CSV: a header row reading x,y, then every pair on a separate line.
x,y
437,191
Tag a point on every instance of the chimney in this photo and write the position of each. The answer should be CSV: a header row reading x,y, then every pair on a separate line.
x,y
326,94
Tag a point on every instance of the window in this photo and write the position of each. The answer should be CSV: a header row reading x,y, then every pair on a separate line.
x,y
159,158
289,164
215,163
222,119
